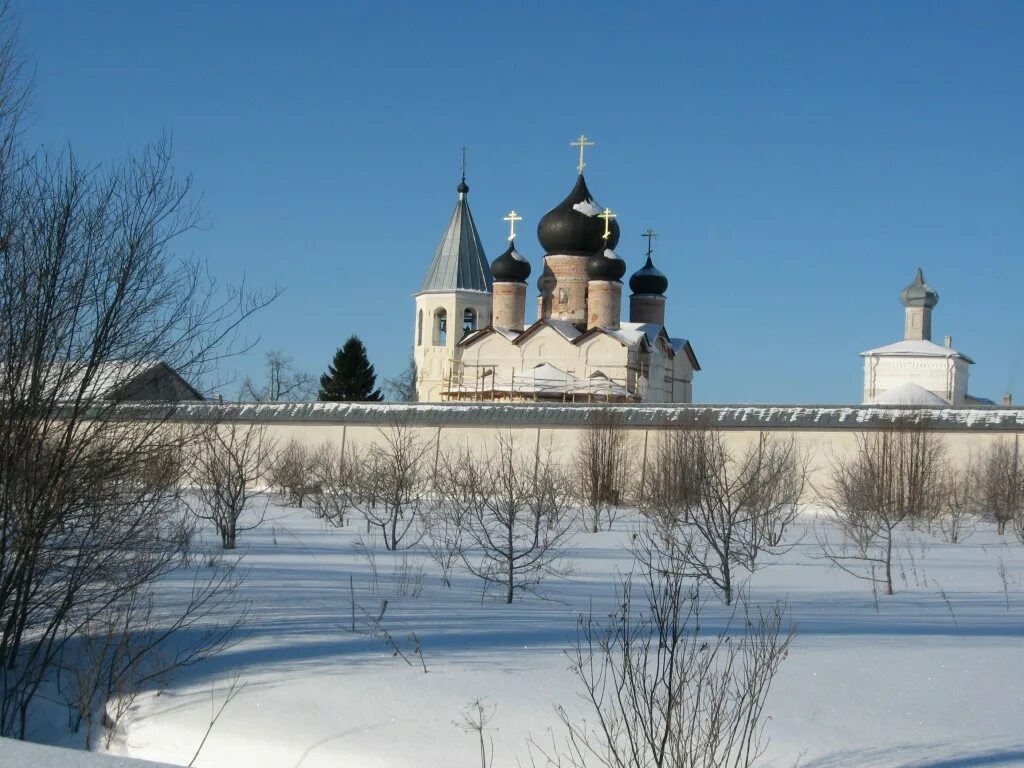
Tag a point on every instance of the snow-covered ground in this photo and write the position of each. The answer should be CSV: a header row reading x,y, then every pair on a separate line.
x,y
922,681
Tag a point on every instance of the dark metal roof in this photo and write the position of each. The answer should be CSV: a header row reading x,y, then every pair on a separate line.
x,y
638,416
919,293
459,262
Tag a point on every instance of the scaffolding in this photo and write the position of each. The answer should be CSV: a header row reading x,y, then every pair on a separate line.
x,y
479,382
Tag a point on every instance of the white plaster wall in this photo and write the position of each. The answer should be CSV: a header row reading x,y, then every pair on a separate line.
x,y
945,377
822,446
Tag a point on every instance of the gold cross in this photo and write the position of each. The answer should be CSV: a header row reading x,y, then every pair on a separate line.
x,y
512,218
607,215
650,234
582,142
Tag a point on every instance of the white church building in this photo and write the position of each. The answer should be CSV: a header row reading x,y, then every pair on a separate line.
x,y
916,370
472,341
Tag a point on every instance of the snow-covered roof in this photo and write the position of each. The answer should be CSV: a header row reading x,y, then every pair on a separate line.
x,y
908,393
915,348
565,328
509,333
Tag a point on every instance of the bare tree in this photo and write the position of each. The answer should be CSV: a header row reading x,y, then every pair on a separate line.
x,y
1001,481
283,382
291,471
893,476
957,508
228,464
514,509
392,482
91,293
402,388
603,468
335,479
662,689
724,508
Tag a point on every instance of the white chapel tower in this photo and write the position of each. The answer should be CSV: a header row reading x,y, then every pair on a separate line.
x,y
917,371
455,299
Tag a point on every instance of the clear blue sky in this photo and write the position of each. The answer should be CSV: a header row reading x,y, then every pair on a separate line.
x,y
800,160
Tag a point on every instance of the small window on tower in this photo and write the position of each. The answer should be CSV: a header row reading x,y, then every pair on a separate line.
x,y
563,295
419,330
440,328
468,321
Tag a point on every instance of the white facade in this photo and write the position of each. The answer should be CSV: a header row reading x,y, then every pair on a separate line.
x,y
442,320
940,370
555,360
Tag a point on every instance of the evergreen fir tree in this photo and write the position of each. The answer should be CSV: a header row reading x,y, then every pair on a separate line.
x,y
350,377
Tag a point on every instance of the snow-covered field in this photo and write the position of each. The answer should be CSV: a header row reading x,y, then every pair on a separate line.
x,y
921,681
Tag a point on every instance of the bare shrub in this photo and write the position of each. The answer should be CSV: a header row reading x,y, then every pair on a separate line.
x,y
228,464
291,472
894,475
663,690
392,481
474,718
721,509
335,478
1001,481
603,468
514,512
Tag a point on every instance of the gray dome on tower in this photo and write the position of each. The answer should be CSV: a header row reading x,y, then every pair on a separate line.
x,y
574,227
648,280
919,293
510,267
605,265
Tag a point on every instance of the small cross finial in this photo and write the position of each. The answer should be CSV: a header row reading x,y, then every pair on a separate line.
x,y
607,215
650,234
512,218
463,148
582,142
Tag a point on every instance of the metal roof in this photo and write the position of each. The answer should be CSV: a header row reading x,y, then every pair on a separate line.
x,y
459,262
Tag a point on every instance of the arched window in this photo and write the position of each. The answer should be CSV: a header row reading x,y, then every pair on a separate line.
x,y
419,330
468,321
440,328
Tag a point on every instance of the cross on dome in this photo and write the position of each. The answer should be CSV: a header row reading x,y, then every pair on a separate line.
x,y
582,142
650,234
512,218
607,215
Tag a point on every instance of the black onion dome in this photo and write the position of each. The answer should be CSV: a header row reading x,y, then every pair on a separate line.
x,y
648,280
547,280
510,267
463,187
574,227
605,265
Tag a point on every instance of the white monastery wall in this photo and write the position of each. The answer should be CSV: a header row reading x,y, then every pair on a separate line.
x,y
823,432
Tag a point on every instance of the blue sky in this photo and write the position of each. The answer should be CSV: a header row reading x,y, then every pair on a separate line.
x,y
800,160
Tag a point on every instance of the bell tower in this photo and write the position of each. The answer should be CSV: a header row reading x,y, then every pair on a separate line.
x,y
455,299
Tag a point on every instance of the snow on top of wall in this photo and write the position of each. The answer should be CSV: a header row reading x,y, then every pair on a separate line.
x,y
575,414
